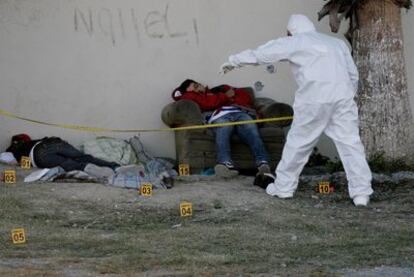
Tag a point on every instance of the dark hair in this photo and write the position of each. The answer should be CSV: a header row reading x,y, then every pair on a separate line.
x,y
184,86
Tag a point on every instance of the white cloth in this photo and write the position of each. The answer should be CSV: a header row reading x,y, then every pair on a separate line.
x,y
8,158
31,155
36,175
328,79
222,112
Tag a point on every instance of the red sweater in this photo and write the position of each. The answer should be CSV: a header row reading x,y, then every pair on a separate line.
x,y
209,101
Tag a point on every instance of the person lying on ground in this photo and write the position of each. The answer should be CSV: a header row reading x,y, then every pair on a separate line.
x,y
227,104
51,152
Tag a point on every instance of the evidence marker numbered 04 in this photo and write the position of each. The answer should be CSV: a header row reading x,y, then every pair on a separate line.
x,y
186,209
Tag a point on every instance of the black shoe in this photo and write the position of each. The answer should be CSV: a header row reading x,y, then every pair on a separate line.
x,y
263,168
263,180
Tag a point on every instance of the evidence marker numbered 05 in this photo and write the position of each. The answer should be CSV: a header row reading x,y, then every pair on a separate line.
x,y
18,236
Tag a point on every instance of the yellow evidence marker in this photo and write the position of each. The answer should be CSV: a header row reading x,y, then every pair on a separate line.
x,y
10,176
184,169
186,209
146,189
18,236
25,163
325,188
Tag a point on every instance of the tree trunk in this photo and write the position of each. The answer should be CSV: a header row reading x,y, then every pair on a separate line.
x,y
383,101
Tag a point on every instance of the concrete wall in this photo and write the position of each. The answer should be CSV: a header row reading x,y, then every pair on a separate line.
x,y
113,64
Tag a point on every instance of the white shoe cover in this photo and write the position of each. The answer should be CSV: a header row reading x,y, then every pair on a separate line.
x,y
273,191
361,200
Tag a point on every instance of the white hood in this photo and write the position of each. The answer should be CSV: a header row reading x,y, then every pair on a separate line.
x,y
299,23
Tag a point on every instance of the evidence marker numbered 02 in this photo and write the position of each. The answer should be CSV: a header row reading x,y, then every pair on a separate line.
x,y
9,176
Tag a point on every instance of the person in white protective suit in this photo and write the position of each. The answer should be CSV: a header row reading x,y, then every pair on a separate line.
x,y
324,103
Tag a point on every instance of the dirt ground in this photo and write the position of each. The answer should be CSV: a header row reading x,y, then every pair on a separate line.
x,y
81,229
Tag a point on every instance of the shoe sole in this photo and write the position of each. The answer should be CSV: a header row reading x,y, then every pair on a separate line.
x,y
224,172
263,169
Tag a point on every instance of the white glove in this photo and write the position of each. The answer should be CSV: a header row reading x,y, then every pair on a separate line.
x,y
225,68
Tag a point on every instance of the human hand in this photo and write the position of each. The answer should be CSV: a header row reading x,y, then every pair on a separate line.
x,y
225,68
230,93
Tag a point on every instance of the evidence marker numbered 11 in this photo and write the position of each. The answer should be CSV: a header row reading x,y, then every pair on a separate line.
x,y
184,169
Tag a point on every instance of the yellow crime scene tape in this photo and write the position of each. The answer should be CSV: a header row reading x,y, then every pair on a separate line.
x,y
107,130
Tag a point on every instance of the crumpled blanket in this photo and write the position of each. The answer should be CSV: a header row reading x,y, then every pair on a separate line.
x,y
111,150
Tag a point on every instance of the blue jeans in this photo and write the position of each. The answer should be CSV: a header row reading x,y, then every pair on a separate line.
x,y
248,133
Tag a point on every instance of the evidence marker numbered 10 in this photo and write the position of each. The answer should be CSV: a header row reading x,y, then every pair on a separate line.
x,y
9,176
186,209
146,189
325,188
184,169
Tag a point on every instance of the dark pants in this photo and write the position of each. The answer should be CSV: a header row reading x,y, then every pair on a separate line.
x,y
53,152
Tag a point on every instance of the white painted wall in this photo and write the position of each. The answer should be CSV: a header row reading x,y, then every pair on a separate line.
x,y
113,64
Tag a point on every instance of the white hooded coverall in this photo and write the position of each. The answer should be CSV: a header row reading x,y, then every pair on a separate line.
x,y
328,80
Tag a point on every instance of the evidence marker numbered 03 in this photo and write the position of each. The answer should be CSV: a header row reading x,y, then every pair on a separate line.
x,y
146,189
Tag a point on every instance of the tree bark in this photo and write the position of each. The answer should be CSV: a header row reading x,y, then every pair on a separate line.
x,y
385,115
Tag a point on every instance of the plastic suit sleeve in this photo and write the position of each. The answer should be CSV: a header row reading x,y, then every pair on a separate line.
x,y
271,52
352,69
